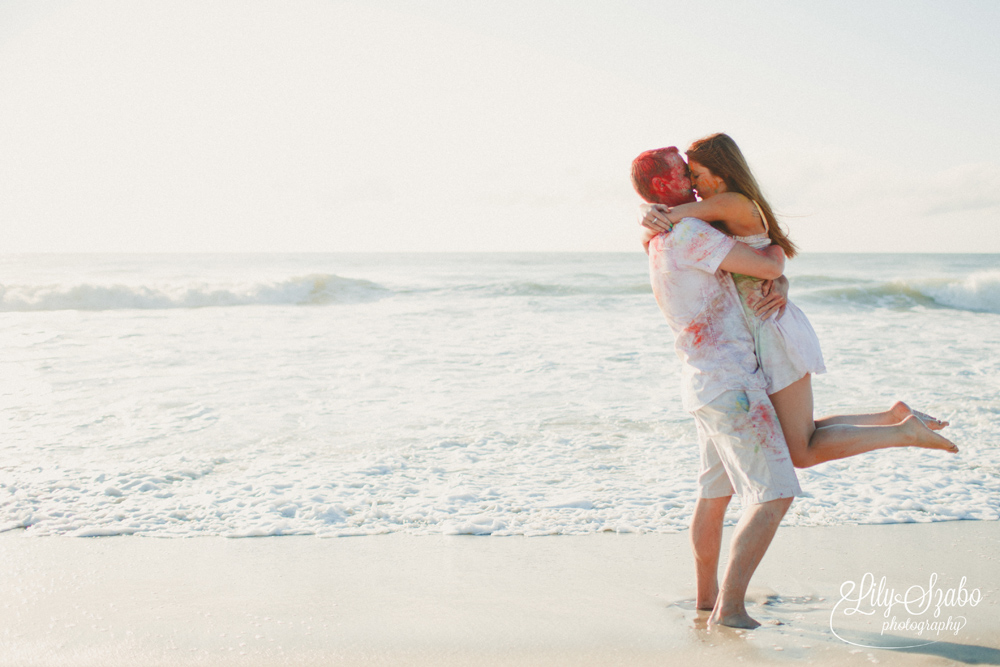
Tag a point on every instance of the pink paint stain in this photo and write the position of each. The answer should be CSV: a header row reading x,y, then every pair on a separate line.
x,y
696,332
768,428
763,414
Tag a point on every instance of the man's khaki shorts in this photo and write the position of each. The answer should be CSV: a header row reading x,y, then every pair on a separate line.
x,y
743,449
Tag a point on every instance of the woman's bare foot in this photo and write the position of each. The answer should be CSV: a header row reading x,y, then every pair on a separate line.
x,y
933,423
921,436
901,411
739,619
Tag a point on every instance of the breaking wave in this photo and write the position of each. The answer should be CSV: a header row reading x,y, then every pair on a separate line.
x,y
316,289
979,292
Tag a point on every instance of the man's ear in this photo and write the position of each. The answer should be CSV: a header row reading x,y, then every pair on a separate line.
x,y
657,184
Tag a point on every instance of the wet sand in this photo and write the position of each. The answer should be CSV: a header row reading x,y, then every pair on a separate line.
x,y
399,599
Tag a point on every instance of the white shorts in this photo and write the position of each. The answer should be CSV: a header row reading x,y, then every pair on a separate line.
x,y
743,449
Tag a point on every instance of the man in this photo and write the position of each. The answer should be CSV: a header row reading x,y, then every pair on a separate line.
x,y
742,446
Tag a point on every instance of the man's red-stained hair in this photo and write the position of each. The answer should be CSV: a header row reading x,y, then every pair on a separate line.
x,y
672,184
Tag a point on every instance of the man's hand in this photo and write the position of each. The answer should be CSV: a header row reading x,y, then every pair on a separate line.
x,y
774,295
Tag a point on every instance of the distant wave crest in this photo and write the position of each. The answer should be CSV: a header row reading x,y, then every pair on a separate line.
x,y
979,292
539,289
316,289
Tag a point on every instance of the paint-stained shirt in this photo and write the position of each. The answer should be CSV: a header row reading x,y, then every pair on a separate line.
x,y
702,306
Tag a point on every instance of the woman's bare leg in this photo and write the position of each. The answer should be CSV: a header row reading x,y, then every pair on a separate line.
x,y
811,442
897,413
794,406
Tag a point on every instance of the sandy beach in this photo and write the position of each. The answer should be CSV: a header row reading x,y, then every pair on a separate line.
x,y
603,599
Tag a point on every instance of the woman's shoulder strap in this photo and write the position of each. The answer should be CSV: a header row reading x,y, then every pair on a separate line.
x,y
763,218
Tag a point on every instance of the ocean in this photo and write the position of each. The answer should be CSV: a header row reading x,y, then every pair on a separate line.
x,y
486,394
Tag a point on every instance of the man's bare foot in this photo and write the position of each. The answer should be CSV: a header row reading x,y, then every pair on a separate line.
x,y
921,436
706,602
901,411
739,619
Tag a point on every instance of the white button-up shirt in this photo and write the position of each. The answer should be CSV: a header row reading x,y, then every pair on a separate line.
x,y
703,308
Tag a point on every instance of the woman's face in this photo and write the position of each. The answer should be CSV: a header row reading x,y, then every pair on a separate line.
x,y
705,183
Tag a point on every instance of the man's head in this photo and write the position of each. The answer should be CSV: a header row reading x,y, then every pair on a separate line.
x,y
660,176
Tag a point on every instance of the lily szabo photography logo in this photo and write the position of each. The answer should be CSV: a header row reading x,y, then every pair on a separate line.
x,y
873,614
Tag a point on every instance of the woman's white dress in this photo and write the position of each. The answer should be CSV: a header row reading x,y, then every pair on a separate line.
x,y
787,348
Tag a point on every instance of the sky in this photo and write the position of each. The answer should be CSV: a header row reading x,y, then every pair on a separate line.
x,y
439,125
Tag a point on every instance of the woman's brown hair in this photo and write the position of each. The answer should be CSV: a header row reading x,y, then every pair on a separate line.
x,y
720,155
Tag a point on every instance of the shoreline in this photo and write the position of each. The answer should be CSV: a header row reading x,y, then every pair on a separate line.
x,y
404,599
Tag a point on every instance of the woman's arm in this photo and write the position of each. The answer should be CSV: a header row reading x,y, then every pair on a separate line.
x,y
776,253
724,206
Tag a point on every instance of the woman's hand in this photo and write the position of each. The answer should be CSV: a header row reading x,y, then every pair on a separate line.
x,y
654,217
774,295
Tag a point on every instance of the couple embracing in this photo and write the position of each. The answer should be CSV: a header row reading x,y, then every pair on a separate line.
x,y
747,356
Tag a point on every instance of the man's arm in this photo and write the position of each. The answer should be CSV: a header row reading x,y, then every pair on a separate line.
x,y
768,263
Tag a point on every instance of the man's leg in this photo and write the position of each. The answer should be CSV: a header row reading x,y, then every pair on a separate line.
x,y
706,542
751,538
743,431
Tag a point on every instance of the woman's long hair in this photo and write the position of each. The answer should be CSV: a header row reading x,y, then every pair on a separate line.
x,y
720,155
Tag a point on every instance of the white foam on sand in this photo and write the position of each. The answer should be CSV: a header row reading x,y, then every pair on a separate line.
x,y
491,485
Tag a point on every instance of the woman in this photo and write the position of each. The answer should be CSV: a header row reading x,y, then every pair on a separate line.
x,y
787,347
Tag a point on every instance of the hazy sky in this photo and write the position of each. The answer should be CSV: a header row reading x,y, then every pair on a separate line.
x,y
503,125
